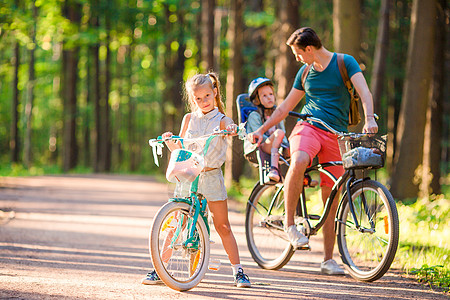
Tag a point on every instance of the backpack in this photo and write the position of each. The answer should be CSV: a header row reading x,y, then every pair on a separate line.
x,y
354,117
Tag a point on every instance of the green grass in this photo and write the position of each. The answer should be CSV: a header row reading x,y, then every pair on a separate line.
x,y
424,249
13,169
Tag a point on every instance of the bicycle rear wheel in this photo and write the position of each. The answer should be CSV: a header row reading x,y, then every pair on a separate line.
x,y
264,227
179,267
368,252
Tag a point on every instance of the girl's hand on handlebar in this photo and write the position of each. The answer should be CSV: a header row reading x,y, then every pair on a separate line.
x,y
166,135
232,129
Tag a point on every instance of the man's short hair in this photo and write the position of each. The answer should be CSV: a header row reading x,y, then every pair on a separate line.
x,y
304,37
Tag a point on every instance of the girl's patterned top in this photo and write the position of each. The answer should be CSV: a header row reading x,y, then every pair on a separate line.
x,y
202,124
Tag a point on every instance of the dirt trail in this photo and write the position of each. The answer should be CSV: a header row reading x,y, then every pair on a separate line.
x,y
86,237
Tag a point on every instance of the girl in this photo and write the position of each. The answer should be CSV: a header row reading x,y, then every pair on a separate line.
x,y
207,113
262,94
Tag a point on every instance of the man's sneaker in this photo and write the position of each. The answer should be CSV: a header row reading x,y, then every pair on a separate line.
x,y
296,238
331,267
151,278
241,280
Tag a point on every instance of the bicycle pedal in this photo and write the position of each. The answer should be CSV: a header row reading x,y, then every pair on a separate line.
x,y
304,247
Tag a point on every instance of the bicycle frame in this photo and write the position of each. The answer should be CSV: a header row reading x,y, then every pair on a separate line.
x,y
348,178
195,200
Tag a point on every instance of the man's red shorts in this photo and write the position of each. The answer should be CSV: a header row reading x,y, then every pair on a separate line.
x,y
317,142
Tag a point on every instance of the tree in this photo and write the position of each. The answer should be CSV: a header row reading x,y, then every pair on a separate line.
x,y
15,138
233,167
379,64
30,91
431,172
286,66
95,91
347,34
69,91
207,49
410,132
255,44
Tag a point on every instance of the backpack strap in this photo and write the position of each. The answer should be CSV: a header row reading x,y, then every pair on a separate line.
x,y
305,74
344,74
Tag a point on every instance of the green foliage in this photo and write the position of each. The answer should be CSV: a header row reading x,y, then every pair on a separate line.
x,y
433,276
424,232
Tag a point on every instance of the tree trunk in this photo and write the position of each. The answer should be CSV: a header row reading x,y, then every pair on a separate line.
x,y
96,92
208,7
235,159
431,172
131,122
347,35
14,139
30,93
286,67
254,40
105,109
347,27
174,60
410,134
69,92
379,63
87,114
219,14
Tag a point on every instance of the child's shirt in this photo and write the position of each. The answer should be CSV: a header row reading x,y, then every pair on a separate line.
x,y
254,121
201,124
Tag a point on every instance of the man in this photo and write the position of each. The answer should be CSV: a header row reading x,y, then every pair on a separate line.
x,y
328,99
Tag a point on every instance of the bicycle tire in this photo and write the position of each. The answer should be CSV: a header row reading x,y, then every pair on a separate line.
x,y
266,239
368,255
183,268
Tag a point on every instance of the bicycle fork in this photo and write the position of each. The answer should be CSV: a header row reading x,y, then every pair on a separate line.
x,y
351,206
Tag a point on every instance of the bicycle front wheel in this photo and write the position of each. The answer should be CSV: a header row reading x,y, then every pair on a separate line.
x,y
264,227
367,252
180,266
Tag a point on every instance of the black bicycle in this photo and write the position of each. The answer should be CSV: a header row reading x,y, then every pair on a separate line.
x,y
366,221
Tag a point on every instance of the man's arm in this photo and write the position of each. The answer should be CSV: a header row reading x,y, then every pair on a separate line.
x,y
364,93
279,114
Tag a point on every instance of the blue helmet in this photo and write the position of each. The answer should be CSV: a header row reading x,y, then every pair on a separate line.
x,y
255,84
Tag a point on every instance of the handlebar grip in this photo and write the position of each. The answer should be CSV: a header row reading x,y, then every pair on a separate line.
x,y
299,115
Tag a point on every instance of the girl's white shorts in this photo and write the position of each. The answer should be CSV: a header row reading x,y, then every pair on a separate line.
x,y
211,185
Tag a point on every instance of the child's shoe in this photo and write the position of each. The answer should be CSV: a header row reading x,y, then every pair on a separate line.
x,y
241,280
274,174
151,278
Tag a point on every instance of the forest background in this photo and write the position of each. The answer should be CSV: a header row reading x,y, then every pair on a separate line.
x,y
87,83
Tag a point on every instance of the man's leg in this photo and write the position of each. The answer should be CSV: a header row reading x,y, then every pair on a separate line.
x,y
328,265
294,184
293,188
329,236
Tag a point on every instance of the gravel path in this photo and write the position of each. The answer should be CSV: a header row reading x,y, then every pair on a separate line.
x,y
86,237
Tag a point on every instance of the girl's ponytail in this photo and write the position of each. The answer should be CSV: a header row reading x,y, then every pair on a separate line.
x,y
216,84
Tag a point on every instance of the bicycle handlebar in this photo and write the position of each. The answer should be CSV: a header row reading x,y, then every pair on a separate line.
x,y
310,118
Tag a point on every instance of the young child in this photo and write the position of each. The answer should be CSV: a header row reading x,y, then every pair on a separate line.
x,y
207,113
261,93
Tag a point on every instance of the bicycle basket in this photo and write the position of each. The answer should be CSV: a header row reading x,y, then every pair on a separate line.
x,y
184,166
363,151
